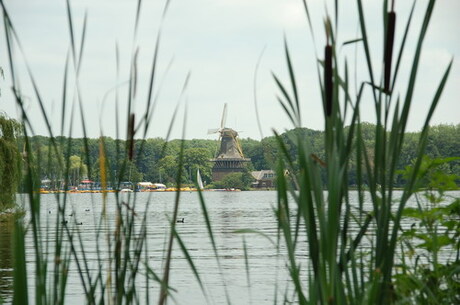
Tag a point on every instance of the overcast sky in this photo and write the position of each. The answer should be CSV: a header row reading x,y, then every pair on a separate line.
x,y
219,43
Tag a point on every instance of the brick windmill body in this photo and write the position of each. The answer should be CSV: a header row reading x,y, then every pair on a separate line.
x,y
229,159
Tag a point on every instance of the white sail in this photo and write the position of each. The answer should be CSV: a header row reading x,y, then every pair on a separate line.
x,y
198,179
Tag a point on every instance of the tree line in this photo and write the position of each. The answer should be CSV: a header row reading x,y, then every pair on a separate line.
x,y
157,160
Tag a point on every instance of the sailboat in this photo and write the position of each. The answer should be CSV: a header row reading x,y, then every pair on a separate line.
x,y
199,180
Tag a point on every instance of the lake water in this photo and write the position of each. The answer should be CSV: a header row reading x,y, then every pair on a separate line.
x,y
228,211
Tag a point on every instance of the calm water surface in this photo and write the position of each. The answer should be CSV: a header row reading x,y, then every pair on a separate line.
x,y
229,211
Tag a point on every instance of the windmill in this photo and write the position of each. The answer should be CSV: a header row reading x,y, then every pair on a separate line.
x,y
229,158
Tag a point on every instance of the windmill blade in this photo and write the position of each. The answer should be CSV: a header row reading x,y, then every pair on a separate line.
x,y
224,117
237,143
214,130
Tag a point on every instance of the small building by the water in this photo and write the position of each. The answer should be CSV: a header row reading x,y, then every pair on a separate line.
x,y
263,178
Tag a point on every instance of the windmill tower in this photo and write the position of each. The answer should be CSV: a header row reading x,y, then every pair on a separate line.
x,y
229,159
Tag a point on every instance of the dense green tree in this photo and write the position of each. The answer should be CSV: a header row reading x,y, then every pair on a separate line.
x,y
10,131
197,159
443,142
241,180
130,172
270,151
148,154
50,163
255,150
210,145
77,170
168,169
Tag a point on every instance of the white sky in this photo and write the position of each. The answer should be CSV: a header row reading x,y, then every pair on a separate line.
x,y
219,43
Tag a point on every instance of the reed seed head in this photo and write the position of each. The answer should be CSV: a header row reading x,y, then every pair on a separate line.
x,y
389,50
328,80
131,132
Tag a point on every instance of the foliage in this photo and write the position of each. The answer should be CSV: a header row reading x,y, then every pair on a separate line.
x,y
197,159
50,164
433,174
432,244
10,131
147,158
77,169
156,163
348,266
241,181
168,169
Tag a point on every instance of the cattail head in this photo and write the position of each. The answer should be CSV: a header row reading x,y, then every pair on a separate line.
x,y
131,132
389,50
328,80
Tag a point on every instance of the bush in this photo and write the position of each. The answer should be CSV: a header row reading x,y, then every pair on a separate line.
x,y
240,181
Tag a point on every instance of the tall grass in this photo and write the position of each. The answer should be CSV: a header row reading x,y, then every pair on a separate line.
x,y
345,270
122,254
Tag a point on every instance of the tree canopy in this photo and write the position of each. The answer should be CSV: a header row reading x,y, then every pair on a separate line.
x,y
10,131
156,160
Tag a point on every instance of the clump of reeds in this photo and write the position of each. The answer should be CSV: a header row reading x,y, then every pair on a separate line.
x,y
345,267
122,254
